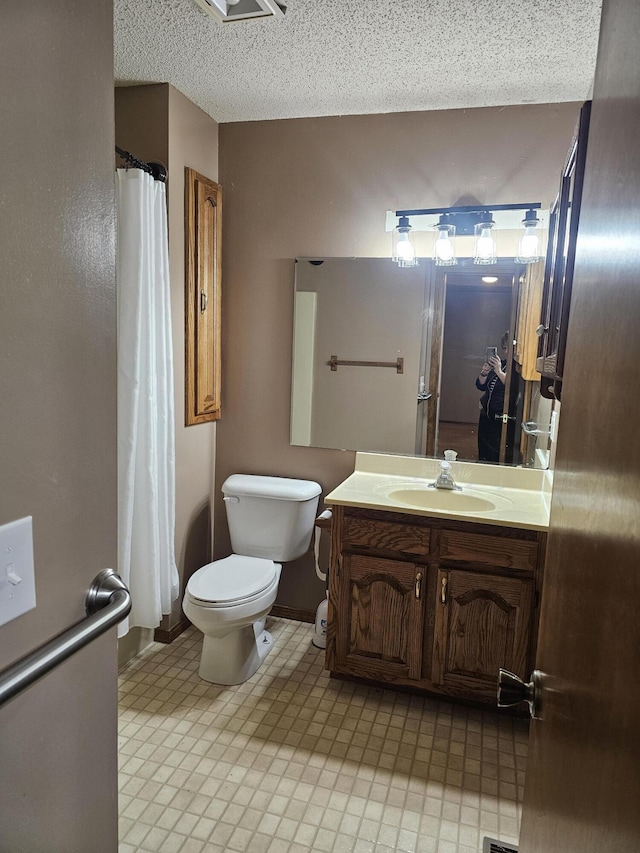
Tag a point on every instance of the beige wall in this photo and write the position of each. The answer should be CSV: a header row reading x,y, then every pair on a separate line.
x,y
58,413
158,123
320,187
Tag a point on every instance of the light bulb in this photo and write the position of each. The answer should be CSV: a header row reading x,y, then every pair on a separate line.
x,y
404,248
444,249
485,249
529,245
528,250
404,253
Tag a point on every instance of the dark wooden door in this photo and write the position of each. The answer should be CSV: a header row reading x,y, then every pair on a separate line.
x,y
582,790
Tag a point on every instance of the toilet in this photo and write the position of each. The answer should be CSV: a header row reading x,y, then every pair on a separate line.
x,y
270,522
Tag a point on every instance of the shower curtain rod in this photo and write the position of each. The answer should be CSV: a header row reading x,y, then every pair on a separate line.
x,y
156,170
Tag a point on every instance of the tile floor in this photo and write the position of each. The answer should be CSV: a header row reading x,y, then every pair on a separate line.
x,y
293,761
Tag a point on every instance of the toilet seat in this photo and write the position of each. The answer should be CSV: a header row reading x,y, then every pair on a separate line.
x,y
231,581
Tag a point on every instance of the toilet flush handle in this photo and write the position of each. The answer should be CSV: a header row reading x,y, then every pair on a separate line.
x,y
231,499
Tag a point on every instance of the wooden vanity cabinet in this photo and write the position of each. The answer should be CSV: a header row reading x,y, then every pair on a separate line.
x,y
432,604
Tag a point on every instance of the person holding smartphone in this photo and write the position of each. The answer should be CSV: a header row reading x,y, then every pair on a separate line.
x,y
491,381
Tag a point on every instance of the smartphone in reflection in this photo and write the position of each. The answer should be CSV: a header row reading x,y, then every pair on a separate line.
x,y
492,352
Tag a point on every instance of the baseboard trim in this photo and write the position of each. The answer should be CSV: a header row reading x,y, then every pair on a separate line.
x,y
168,635
284,612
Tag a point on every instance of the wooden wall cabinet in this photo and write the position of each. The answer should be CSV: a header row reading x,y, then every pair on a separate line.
x,y
558,276
203,297
431,604
525,351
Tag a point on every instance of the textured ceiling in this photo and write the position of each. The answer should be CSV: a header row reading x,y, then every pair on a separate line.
x,y
337,57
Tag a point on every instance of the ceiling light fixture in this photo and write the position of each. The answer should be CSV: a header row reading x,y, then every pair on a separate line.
x,y
476,220
225,11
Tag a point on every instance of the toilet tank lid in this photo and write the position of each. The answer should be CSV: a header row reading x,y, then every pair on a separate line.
x,y
280,488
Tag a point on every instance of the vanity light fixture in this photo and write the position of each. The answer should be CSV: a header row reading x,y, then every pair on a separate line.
x,y
529,243
444,250
404,253
485,251
467,220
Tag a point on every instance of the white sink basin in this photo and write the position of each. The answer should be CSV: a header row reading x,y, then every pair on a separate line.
x,y
469,500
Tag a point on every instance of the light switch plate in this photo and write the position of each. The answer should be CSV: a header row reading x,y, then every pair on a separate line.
x,y
17,577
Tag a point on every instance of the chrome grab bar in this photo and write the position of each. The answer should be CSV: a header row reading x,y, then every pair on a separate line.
x,y
108,601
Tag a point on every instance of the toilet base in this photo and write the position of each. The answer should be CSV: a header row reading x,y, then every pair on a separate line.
x,y
234,658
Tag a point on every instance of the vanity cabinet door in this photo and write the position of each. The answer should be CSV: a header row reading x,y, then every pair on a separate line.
x,y
482,622
380,618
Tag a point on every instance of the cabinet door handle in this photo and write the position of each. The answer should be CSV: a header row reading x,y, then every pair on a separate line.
x,y
443,591
418,584
204,299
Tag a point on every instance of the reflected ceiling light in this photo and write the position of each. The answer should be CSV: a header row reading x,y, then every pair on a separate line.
x,y
477,220
485,250
404,253
489,279
529,243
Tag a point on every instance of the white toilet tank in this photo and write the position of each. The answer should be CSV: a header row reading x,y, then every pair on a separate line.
x,y
270,517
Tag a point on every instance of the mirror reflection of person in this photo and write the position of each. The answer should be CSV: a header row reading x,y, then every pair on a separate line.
x,y
491,380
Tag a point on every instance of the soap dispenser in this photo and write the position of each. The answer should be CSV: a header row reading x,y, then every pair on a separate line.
x,y
445,478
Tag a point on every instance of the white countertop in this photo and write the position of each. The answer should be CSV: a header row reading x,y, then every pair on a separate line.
x,y
491,494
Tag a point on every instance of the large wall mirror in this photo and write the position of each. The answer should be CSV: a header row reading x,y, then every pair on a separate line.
x,y
385,359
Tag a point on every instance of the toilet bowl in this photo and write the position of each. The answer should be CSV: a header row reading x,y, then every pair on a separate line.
x,y
228,601
270,521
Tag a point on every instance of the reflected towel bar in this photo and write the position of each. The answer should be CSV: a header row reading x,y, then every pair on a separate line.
x,y
334,361
108,601
531,428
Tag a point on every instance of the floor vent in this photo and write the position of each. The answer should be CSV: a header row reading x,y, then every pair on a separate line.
x,y
490,845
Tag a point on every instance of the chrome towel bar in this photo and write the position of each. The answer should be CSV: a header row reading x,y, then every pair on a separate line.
x,y
398,364
108,602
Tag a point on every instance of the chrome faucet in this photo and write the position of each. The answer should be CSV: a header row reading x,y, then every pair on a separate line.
x,y
445,479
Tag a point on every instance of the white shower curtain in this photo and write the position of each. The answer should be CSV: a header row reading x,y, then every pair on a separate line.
x,y
146,432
